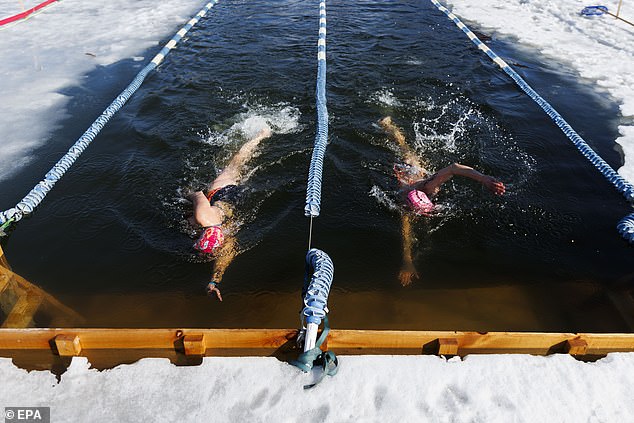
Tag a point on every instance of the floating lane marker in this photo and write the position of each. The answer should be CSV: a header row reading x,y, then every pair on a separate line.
x,y
313,190
626,225
37,194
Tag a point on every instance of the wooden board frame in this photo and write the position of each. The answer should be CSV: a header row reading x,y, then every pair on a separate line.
x,y
66,342
266,341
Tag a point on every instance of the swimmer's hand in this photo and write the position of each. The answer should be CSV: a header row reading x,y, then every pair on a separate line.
x,y
212,288
407,274
493,185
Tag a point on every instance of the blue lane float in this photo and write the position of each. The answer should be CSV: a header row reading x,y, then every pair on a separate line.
x,y
313,190
626,225
626,228
320,272
319,267
28,204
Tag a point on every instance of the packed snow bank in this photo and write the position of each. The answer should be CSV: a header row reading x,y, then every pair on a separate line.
x,y
41,56
487,388
600,48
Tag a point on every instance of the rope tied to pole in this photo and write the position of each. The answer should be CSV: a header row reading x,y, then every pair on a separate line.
x,y
626,225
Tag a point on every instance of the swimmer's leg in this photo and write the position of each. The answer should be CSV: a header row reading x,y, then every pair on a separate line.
x,y
206,214
408,155
231,174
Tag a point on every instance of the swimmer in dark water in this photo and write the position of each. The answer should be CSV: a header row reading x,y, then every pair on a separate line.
x,y
419,186
214,210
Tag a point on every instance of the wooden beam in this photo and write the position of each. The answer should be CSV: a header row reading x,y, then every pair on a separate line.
x,y
576,346
3,260
47,298
265,341
27,293
68,345
194,344
21,316
447,346
5,278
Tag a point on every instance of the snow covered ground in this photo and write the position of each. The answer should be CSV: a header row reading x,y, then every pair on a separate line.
x,y
600,49
485,388
41,56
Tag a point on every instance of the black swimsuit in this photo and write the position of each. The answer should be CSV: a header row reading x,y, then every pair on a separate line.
x,y
228,194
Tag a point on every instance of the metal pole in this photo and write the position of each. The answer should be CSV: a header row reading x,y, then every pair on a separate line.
x,y
618,9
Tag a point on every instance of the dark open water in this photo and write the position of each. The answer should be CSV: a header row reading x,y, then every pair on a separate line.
x,y
110,240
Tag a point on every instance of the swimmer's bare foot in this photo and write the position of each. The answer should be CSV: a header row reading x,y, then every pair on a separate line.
x,y
212,288
386,123
264,133
407,274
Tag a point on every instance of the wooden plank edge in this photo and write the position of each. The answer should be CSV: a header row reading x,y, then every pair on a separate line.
x,y
355,341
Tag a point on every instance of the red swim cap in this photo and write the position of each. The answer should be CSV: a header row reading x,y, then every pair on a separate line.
x,y
210,240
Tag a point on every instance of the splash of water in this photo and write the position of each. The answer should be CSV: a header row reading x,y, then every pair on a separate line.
x,y
384,199
281,118
445,128
385,97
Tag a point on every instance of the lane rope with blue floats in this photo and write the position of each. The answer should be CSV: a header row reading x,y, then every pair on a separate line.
x,y
625,225
319,267
37,194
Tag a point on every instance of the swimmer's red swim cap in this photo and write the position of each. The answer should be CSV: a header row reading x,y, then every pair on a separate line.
x,y
420,202
210,240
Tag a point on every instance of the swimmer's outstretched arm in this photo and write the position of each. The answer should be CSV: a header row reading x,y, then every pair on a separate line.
x,y
408,271
431,185
224,257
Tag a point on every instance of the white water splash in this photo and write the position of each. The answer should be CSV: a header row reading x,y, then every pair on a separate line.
x,y
427,130
385,97
281,118
384,199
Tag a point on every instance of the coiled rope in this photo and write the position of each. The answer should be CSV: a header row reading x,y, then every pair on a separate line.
x,y
320,271
313,190
626,225
317,282
37,194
